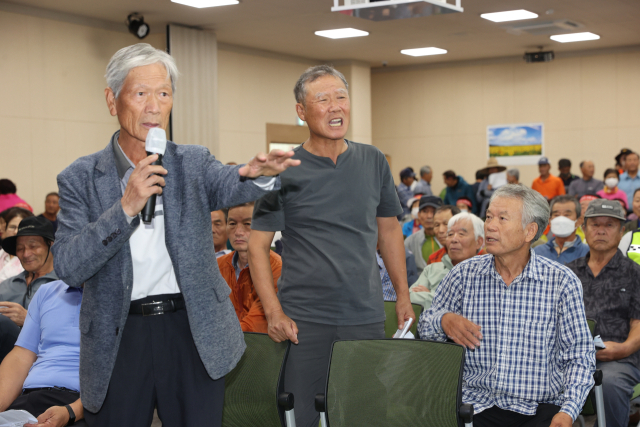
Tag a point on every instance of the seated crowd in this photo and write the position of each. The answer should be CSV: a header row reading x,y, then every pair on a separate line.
x,y
510,272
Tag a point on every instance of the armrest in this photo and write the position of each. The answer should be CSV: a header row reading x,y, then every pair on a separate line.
x,y
597,377
466,412
320,402
285,400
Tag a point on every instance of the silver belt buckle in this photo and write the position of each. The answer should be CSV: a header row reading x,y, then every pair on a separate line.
x,y
155,308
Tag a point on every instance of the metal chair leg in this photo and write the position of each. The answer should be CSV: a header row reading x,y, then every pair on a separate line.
x,y
580,420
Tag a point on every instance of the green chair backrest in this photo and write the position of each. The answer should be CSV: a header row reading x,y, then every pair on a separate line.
x,y
391,322
252,387
394,383
592,326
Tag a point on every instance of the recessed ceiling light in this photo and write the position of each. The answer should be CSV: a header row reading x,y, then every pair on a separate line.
x,y
423,51
510,15
206,3
342,33
575,37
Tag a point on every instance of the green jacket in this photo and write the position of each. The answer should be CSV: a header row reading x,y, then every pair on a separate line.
x,y
430,278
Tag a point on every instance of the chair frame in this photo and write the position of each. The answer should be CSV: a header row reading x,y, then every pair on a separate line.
x,y
465,410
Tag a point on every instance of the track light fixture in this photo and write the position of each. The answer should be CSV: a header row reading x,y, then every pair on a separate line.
x,y
137,26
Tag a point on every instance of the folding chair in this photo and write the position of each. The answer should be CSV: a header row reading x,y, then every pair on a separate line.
x,y
254,393
391,322
595,394
376,383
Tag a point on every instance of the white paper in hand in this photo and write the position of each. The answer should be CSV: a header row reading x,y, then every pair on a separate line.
x,y
400,333
497,180
597,341
16,418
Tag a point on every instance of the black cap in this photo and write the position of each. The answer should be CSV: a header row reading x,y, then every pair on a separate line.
x,y
623,152
406,173
604,207
433,201
32,226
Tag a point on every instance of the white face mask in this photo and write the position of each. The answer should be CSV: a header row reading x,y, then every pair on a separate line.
x,y
413,185
611,182
414,212
562,226
464,210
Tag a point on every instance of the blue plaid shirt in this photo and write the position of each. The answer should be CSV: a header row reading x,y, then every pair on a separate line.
x,y
388,291
536,345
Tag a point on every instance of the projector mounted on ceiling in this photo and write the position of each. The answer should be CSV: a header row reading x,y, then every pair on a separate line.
x,y
386,10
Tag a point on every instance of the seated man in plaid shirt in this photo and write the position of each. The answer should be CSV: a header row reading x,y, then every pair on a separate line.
x,y
530,357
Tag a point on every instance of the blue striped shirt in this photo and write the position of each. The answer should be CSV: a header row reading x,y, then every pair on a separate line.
x,y
536,345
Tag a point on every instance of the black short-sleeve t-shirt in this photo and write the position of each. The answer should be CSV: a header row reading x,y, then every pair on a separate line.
x,y
327,214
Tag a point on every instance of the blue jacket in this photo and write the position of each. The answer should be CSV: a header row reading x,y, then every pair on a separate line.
x,y
462,189
578,250
92,247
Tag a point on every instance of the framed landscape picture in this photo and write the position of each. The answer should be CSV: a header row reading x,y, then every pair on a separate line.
x,y
519,144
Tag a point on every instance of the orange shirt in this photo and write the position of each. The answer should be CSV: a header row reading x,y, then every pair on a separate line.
x,y
244,296
550,188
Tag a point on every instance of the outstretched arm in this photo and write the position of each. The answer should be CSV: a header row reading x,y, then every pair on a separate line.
x,y
13,371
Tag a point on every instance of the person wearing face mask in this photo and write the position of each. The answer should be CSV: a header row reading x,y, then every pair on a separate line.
x,y
413,225
564,245
611,190
464,204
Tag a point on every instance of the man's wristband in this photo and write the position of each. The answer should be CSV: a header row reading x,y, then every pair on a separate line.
x,y
72,415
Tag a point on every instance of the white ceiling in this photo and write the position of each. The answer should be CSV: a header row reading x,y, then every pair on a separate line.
x,y
287,27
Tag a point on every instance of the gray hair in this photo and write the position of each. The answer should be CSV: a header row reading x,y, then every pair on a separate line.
x,y
567,199
478,224
535,208
515,173
312,74
425,170
137,55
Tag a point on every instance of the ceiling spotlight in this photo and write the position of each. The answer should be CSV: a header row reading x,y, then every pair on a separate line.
x,y
575,37
342,33
510,15
205,3
137,26
423,51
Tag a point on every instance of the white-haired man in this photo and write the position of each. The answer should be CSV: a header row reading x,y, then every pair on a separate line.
x,y
530,357
332,211
465,238
424,184
158,328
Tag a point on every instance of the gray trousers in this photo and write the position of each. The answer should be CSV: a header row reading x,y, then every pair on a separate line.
x,y
308,363
618,380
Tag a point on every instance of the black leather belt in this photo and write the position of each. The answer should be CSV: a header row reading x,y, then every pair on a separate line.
x,y
31,390
155,308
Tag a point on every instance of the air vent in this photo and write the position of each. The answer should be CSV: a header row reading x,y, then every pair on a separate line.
x,y
545,27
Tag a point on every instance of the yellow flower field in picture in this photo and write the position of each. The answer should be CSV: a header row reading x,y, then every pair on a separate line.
x,y
515,150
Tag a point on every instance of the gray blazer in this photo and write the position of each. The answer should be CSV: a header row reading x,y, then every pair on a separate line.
x,y
92,247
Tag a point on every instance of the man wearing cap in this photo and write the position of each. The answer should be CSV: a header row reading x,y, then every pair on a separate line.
x,y
423,243
485,190
630,180
546,184
32,246
587,184
456,188
407,177
611,287
424,184
413,225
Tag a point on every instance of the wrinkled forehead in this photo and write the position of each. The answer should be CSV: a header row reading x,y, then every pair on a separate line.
x,y
461,225
509,206
30,240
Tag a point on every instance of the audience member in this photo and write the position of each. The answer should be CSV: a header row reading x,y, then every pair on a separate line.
x,y
234,268
41,373
611,287
564,166
529,323
331,220
464,204
513,176
423,243
3,227
457,187
424,184
219,231
440,227
485,190
629,180
407,178
587,184
32,246
630,242
51,208
9,264
480,176
413,225
465,238
611,190
546,184
620,160
565,246
9,198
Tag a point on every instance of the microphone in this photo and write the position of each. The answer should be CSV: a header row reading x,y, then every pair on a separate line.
x,y
156,143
